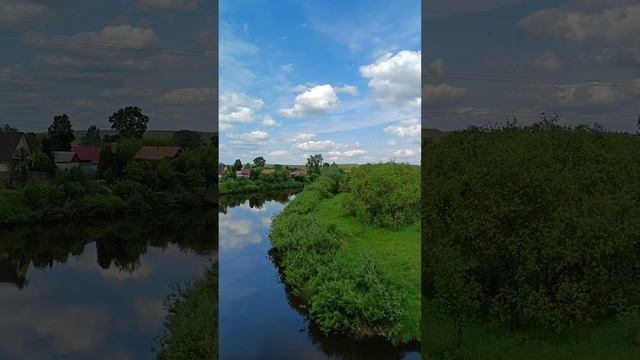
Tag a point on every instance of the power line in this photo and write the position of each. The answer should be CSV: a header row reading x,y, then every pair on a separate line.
x,y
526,79
518,19
485,113
104,44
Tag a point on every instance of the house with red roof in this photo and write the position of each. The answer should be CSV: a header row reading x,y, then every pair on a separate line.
x,y
88,156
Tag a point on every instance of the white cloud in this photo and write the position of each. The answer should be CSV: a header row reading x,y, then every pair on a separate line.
x,y
169,4
405,153
301,137
405,129
20,13
441,92
268,121
588,94
317,145
279,153
315,101
347,153
237,108
395,79
348,89
287,68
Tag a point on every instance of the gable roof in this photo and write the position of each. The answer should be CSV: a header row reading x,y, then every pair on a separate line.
x,y
246,171
158,152
8,143
64,156
88,153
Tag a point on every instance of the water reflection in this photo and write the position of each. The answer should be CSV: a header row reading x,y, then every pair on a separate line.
x,y
96,290
259,317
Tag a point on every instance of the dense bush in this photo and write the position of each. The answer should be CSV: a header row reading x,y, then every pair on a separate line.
x,y
544,223
262,183
388,194
344,296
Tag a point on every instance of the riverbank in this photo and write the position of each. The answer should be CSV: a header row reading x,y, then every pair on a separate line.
x,y
532,236
191,327
247,186
356,278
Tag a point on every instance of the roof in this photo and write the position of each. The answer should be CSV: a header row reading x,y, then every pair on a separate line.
x,y
64,156
158,152
246,171
8,144
88,153
268,171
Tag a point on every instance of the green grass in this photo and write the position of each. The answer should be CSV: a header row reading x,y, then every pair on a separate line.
x,y
396,252
604,341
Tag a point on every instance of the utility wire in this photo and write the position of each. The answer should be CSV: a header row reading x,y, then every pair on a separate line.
x,y
526,79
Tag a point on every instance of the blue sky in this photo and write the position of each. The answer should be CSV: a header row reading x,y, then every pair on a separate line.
x,y
303,77
506,58
93,69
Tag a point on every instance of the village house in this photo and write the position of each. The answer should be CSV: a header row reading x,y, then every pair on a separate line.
x,y
268,171
299,172
88,156
244,173
156,153
65,159
13,147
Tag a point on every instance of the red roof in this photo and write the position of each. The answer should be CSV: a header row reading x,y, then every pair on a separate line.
x,y
246,171
88,153
158,152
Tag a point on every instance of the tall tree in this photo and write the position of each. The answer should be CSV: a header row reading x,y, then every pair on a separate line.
x,y
237,165
129,122
8,128
313,164
92,137
61,133
259,161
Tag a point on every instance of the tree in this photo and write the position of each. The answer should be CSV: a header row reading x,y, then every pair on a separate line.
x,y
313,164
92,137
187,139
60,133
237,165
259,161
247,166
129,122
8,128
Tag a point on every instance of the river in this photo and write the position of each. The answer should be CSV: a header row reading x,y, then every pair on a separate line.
x,y
259,319
82,290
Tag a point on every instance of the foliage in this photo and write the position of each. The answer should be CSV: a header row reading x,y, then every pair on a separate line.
x,y
388,194
538,225
129,122
237,165
259,162
187,139
92,137
8,128
60,133
192,323
314,162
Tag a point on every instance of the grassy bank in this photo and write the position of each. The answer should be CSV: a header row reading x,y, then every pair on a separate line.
x,y
192,324
357,278
530,244
244,186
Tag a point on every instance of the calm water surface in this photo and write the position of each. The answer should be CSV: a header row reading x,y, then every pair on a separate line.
x,y
259,319
78,291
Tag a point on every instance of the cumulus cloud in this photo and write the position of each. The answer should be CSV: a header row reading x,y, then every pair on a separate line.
x,y
300,137
348,89
256,135
189,5
237,108
121,35
405,129
268,121
23,13
395,79
405,153
317,100
279,153
348,153
320,145
589,94
441,92
613,25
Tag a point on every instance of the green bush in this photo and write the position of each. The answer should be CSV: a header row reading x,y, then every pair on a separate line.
x,y
388,193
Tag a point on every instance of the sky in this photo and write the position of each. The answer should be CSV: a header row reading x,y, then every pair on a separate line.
x,y
89,58
336,78
497,59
